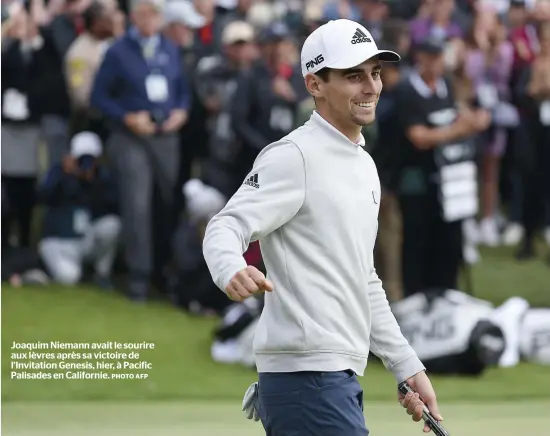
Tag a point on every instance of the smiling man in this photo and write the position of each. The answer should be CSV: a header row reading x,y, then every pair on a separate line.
x,y
312,200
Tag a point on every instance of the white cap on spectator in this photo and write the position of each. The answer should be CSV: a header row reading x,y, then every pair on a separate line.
x,y
157,4
237,31
227,4
203,201
85,143
341,44
183,12
260,14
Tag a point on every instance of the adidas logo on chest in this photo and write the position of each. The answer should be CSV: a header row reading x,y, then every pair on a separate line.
x,y
360,37
252,181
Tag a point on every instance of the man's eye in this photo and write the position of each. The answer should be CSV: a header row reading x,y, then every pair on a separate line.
x,y
354,78
376,74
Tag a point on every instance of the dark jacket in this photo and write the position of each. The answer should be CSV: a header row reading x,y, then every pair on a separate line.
x,y
259,115
119,85
69,200
20,73
48,68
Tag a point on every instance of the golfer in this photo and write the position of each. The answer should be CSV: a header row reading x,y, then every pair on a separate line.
x,y
312,200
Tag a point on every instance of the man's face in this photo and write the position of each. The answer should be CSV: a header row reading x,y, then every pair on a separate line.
x,y
285,52
351,95
179,34
245,5
374,10
390,77
517,16
443,9
431,64
105,25
541,12
242,52
205,7
147,19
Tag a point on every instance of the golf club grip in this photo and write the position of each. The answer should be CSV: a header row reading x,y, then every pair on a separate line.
x,y
436,427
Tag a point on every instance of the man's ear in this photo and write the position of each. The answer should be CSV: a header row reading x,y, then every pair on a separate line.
x,y
313,85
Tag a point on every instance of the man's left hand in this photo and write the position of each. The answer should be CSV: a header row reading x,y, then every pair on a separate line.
x,y
424,395
178,117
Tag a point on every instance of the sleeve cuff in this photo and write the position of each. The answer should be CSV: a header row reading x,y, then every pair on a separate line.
x,y
229,273
407,368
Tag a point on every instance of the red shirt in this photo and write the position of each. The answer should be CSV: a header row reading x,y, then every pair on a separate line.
x,y
526,46
206,34
253,256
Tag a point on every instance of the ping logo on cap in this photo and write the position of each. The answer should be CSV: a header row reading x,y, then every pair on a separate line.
x,y
314,62
360,37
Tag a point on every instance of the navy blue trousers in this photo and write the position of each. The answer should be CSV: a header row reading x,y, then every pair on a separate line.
x,y
311,404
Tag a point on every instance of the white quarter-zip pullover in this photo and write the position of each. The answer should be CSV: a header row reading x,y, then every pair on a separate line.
x,y
312,200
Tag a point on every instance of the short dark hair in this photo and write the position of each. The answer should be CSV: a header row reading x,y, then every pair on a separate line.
x,y
94,12
324,74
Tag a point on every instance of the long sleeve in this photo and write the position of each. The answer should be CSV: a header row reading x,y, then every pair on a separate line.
x,y
184,89
242,106
49,191
273,196
387,340
521,88
103,83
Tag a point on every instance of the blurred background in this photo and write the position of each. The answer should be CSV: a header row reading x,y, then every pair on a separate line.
x,y
126,125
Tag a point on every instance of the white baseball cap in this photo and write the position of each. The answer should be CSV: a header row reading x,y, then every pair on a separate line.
x,y
86,144
341,44
203,201
183,12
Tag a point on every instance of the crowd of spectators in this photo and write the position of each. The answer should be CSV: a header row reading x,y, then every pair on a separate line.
x,y
126,126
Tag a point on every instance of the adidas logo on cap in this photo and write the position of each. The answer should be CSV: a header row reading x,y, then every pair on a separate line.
x,y
360,37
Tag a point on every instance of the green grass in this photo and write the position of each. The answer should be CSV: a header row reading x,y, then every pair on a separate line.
x,y
193,419
189,395
182,368
499,276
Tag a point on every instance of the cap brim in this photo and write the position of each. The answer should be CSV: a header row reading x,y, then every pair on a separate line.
x,y
388,56
383,55
234,41
197,22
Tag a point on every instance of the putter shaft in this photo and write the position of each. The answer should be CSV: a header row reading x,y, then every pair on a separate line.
x,y
436,427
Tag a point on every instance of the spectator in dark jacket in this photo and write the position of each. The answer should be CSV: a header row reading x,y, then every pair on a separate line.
x,y
57,36
81,223
533,151
269,95
181,24
217,91
21,114
141,89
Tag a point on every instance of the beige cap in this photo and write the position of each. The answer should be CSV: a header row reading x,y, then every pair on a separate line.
x,y
237,31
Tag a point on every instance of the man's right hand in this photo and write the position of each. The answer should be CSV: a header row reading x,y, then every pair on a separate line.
x,y
140,123
465,123
246,283
463,126
69,165
482,120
